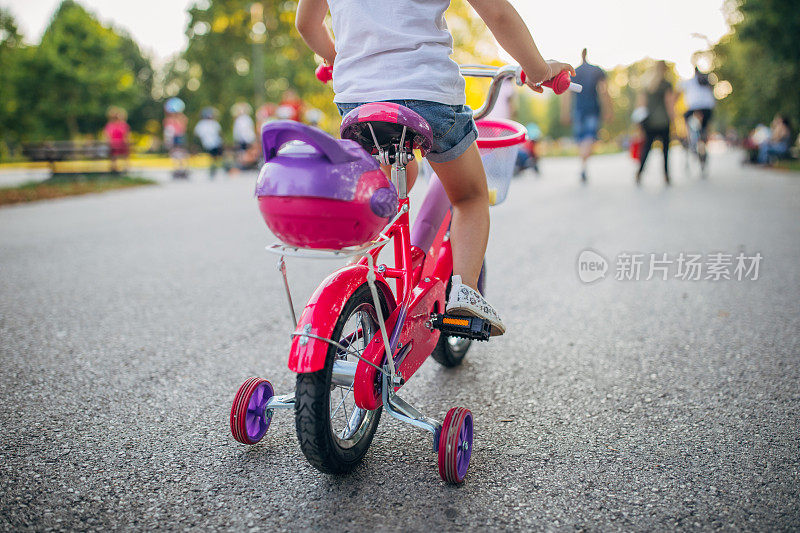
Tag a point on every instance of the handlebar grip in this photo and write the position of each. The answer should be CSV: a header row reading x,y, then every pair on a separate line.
x,y
560,83
324,73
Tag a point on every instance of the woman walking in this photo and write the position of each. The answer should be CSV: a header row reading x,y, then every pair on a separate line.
x,y
659,99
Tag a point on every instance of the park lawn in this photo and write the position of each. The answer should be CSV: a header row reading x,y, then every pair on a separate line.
x,y
789,164
60,186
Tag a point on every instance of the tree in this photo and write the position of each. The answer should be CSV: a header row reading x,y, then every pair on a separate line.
x,y
81,68
225,38
760,60
13,54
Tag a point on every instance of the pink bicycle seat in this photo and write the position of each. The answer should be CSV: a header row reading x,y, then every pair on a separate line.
x,y
315,191
387,120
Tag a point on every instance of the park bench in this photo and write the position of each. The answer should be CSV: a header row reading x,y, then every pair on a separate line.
x,y
71,157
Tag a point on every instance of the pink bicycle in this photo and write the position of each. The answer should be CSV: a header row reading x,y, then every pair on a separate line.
x,y
358,340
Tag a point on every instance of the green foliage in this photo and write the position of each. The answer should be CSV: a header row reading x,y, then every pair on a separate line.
x,y
218,67
12,58
63,87
80,69
61,186
760,58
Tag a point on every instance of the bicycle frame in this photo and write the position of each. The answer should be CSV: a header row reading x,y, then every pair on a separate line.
x,y
423,263
423,258
422,266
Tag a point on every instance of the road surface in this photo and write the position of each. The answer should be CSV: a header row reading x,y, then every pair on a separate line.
x,y
129,319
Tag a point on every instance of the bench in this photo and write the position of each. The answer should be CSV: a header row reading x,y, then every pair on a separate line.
x,y
71,157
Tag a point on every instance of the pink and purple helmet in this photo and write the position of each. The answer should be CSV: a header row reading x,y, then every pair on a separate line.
x,y
315,191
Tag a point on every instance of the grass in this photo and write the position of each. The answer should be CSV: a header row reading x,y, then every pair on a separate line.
x,y
789,164
72,185
559,149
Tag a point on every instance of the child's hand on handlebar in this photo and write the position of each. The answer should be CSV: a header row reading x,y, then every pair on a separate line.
x,y
554,68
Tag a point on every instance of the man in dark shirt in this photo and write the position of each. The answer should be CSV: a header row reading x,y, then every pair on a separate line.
x,y
587,107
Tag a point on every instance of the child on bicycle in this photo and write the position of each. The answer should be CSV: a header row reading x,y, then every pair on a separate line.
x,y
399,51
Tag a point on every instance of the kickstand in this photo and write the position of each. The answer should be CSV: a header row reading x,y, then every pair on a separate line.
x,y
282,270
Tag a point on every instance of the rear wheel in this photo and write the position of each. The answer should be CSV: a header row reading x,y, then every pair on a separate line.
x,y
335,433
450,351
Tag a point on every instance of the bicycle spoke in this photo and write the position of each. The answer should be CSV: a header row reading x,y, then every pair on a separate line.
x,y
338,406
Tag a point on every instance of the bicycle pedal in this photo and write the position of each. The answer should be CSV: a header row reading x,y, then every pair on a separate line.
x,y
466,327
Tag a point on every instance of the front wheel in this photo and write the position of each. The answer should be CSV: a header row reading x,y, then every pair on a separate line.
x,y
450,351
335,433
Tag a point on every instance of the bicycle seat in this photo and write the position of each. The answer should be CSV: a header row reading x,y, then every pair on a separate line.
x,y
387,120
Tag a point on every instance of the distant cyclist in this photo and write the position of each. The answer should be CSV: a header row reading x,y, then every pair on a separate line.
x,y
698,92
587,107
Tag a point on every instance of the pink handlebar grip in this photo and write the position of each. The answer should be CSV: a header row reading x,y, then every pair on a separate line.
x,y
559,84
324,73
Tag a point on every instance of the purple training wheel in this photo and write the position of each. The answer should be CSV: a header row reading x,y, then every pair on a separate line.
x,y
455,445
250,418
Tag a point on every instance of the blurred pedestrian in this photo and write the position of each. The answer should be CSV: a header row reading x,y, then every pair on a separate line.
x,y
313,117
586,108
209,132
527,156
658,100
779,141
264,114
175,123
244,134
117,134
698,93
291,106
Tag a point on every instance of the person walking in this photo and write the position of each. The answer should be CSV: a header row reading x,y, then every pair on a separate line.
x,y
209,133
175,123
659,101
244,133
586,108
117,132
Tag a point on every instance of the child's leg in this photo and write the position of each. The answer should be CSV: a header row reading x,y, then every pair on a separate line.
x,y
464,180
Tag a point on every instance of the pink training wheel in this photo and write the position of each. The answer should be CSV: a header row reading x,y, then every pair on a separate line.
x,y
455,445
250,417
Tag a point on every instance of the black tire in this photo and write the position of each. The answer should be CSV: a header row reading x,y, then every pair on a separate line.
x,y
450,351
320,443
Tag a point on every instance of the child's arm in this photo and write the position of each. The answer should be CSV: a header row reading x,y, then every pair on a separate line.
x,y
310,22
511,32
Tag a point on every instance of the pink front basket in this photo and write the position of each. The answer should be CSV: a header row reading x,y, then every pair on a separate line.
x,y
498,143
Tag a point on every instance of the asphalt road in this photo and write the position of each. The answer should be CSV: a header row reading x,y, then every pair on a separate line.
x,y
129,319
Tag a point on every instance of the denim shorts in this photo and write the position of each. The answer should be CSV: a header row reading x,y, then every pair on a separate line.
x,y
585,126
453,128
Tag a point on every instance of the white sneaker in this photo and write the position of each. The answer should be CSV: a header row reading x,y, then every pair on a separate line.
x,y
466,301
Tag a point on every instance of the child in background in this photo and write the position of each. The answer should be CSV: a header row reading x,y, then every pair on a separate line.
x,y
116,133
400,51
175,123
209,132
244,134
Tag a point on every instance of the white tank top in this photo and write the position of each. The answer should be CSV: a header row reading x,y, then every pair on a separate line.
x,y
698,96
394,50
